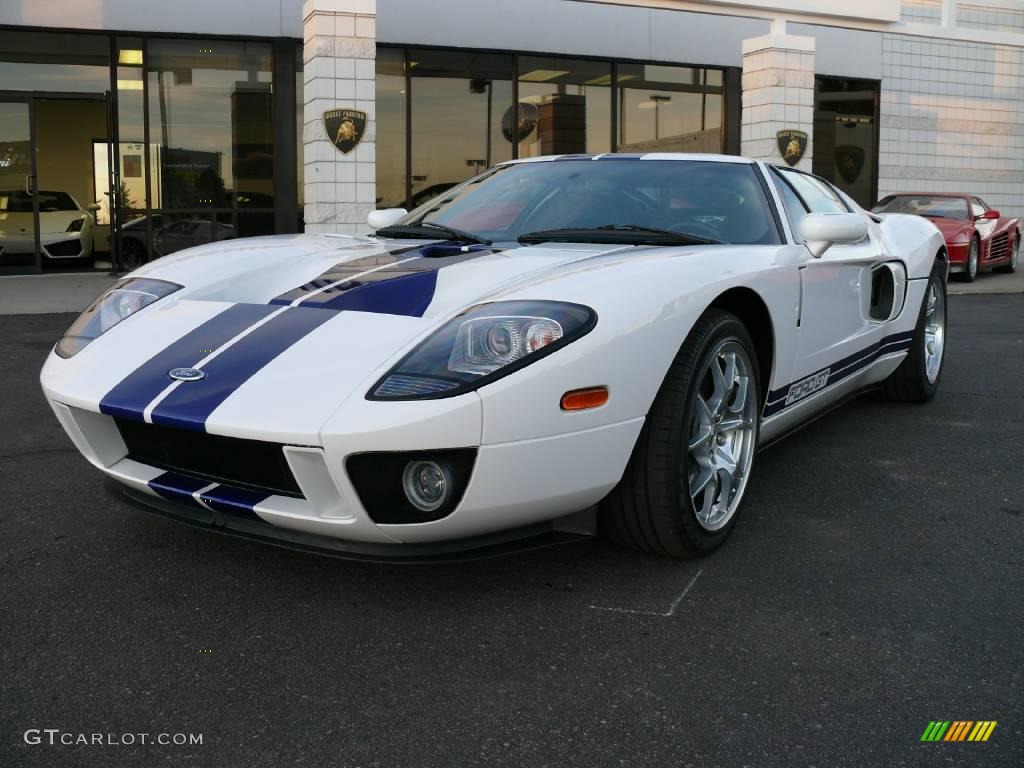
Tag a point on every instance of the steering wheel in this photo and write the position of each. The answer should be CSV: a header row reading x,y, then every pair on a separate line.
x,y
693,227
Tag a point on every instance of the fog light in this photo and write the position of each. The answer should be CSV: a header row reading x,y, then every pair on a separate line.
x,y
426,484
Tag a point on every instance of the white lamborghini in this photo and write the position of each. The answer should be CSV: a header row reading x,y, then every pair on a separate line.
x,y
560,345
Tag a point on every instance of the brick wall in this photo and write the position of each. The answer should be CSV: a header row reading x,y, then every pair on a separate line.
x,y
952,118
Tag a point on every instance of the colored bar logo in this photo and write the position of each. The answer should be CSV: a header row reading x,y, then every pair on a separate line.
x,y
958,730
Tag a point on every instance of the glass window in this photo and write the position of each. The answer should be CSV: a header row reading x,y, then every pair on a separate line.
x,y
210,113
565,107
176,232
53,61
794,207
669,109
845,151
391,128
816,194
933,206
458,101
977,207
721,201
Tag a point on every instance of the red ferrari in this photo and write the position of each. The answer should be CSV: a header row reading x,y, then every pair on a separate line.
x,y
977,237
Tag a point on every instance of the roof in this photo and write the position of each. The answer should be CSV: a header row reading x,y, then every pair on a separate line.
x,y
642,156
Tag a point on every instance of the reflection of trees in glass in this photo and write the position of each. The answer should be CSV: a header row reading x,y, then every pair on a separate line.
x,y
125,202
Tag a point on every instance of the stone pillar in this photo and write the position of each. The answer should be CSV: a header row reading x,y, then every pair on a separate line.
x,y
339,72
778,94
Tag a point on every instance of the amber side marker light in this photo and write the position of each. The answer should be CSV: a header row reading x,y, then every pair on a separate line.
x,y
582,399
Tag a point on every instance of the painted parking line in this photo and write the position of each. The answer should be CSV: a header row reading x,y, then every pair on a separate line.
x,y
671,609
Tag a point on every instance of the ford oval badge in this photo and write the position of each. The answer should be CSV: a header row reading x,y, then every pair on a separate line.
x,y
186,374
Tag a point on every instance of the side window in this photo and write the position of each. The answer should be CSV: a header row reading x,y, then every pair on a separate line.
x,y
794,207
977,207
818,195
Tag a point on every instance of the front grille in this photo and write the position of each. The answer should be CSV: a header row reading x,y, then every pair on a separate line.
x,y
65,248
998,248
231,460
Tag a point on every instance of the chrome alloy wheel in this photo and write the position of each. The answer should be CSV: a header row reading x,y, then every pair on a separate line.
x,y
1015,258
721,444
972,260
934,331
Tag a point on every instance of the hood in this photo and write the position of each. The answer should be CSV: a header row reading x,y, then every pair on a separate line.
x,y
50,222
390,277
953,230
286,328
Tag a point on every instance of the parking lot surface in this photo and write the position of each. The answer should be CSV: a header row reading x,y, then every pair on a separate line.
x,y
874,583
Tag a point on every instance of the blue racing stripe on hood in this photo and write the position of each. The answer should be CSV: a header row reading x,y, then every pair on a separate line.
x,y
190,405
129,398
406,288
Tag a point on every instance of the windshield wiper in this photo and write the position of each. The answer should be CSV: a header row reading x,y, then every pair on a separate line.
x,y
615,234
428,230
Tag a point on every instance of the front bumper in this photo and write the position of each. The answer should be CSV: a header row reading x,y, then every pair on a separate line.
x,y
516,490
254,528
958,253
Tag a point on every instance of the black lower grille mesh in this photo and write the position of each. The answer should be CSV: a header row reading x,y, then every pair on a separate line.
x,y
231,460
66,248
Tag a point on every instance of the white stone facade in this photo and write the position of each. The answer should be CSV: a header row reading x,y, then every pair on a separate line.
x,y
339,72
778,94
952,119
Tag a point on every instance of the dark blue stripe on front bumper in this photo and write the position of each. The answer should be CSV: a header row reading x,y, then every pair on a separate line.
x,y
177,487
229,500
130,397
188,406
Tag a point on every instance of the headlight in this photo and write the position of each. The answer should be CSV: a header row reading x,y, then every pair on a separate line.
x,y
122,300
76,225
481,345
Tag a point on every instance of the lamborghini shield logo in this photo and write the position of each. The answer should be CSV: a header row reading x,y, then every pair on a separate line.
x,y
792,145
849,162
345,128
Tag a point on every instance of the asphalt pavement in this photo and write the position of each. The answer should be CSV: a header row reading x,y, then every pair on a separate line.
x,y
874,583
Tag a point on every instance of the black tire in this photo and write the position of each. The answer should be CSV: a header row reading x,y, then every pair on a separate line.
x,y
909,383
974,257
651,509
1009,269
132,255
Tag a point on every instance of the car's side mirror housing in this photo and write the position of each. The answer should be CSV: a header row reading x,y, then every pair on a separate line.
x,y
385,217
94,207
988,216
820,231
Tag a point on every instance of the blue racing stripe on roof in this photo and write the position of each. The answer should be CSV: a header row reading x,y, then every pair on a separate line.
x,y
175,487
190,405
129,398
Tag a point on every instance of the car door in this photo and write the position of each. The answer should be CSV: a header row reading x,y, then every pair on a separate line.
x,y
985,227
835,324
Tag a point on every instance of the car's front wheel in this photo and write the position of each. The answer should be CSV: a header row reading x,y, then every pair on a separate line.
x,y
973,258
685,481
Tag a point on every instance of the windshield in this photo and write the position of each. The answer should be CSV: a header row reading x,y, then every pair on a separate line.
x,y
19,201
712,200
924,205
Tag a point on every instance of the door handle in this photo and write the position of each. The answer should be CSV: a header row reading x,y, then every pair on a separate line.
x,y
28,186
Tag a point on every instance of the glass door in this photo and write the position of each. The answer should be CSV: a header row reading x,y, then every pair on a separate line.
x,y
19,240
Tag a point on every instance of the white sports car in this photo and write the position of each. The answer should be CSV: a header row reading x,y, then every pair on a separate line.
x,y
557,346
65,227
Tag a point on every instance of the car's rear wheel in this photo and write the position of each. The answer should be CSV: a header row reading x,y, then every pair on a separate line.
x,y
917,378
684,484
971,267
1014,257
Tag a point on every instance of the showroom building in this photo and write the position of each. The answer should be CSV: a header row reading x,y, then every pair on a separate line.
x,y
237,118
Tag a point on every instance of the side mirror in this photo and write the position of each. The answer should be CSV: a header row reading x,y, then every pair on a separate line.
x,y
820,231
94,207
988,216
385,217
